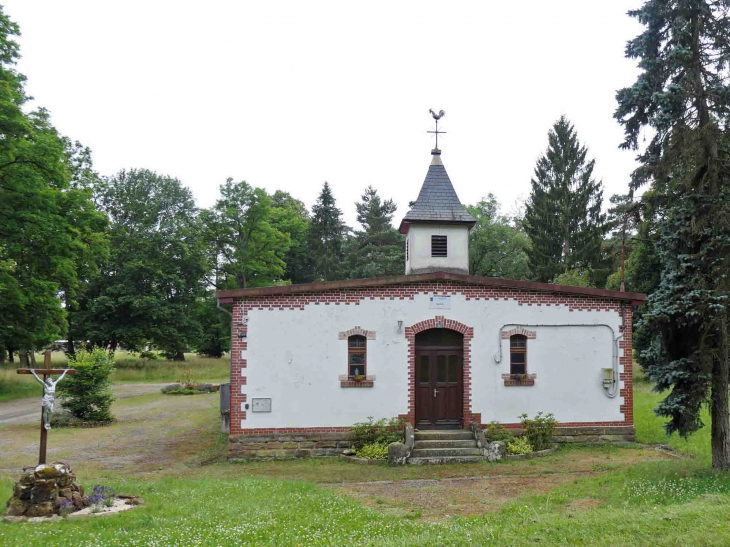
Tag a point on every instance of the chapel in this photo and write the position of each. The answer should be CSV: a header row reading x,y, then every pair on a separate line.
x,y
442,349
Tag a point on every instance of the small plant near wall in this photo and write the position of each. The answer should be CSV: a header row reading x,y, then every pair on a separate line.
x,y
539,430
373,451
519,446
381,431
497,432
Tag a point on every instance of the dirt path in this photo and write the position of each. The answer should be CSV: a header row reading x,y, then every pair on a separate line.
x,y
152,432
25,411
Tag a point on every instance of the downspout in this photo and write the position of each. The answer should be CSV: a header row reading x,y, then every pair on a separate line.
x,y
612,391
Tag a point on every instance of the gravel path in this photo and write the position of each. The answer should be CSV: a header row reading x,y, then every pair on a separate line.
x,y
25,411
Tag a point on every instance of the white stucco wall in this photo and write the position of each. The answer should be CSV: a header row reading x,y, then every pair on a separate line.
x,y
295,358
457,249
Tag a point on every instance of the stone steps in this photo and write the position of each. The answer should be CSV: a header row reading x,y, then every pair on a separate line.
x,y
444,435
446,444
446,459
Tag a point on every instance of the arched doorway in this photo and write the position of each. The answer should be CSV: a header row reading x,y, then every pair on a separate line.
x,y
439,379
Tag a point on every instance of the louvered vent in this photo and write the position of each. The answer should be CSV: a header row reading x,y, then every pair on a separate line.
x,y
438,246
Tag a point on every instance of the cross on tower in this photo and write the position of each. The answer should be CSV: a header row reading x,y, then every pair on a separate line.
x,y
437,117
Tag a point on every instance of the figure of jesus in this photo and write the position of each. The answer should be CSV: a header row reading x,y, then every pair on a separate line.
x,y
49,397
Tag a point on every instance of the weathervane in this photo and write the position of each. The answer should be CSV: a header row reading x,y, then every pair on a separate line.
x,y
437,117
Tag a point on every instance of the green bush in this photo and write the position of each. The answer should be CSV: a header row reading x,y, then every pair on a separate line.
x,y
373,451
87,394
497,432
539,430
381,431
519,446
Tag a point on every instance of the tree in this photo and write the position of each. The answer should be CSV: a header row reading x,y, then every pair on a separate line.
x,y
496,249
87,394
47,223
327,236
248,250
377,249
290,216
215,336
683,94
563,217
149,288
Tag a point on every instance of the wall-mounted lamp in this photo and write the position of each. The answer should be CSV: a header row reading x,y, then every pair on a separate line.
x,y
400,326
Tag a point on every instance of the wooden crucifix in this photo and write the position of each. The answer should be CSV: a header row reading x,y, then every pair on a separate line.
x,y
49,396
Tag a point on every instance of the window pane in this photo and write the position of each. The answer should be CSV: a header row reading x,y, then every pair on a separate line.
x,y
453,368
517,358
424,375
356,341
518,341
357,358
441,370
357,370
517,369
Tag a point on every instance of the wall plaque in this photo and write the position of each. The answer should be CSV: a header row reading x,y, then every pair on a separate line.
x,y
261,405
440,303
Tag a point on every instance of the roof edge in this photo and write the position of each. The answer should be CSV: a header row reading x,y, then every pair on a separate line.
x,y
636,299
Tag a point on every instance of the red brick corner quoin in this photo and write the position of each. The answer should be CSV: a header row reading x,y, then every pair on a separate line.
x,y
438,322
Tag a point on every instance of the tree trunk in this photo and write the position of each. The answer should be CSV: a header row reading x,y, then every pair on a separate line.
x,y
2,355
719,402
32,357
179,355
11,355
70,350
23,356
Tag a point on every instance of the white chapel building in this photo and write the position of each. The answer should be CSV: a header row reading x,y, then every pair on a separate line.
x,y
436,346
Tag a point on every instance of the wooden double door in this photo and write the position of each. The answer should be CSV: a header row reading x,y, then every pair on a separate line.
x,y
439,387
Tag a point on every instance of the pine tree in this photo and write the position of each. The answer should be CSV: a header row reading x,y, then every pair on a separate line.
x,y
682,93
327,237
377,249
563,214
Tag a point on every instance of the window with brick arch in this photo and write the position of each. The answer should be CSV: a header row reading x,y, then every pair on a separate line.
x,y
356,356
518,354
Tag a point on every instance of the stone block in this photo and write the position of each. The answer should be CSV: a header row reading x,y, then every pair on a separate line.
x,y
45,471
302,453
290,445
78,500
326,444
66,493
495,451
307,444
16,507
397,454
344,444
44,490
66,479
45,509
27,478
22,491
273,445
564,439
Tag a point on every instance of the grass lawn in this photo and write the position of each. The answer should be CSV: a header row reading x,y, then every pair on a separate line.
x,y
581,495
130,368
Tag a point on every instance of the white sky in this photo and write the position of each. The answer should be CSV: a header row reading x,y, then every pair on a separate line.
x,y
287,95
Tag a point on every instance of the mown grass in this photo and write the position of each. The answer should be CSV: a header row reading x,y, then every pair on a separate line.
x,y
130,368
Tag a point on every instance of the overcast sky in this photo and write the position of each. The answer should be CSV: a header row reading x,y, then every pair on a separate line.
x,y
287,95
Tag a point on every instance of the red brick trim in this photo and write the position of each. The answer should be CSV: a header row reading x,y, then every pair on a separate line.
x,y
627,362
357,331
438,322
529,334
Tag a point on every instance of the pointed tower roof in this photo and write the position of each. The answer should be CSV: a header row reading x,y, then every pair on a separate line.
x,y
437,201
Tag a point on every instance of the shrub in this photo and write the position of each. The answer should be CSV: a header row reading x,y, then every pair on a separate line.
x,y
87,394
65,507
497,432
381,431
519,446
539,430
373,451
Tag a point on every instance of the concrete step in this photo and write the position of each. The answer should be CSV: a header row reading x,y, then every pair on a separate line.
x,y
443,452
444,435
446,444
445,459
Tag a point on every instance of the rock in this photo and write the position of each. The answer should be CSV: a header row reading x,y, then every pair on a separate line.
x,y
171,387
16,508
66,493
348,452
495,451
44,490
78,500
27,478
50,518
45,509
134,501
397,454
204,387
45,471
22,491
67,479
9,518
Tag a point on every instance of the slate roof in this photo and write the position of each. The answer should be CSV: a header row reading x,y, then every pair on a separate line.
x,y
438,201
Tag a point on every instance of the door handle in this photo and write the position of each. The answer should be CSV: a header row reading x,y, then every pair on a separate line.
x,y
435,392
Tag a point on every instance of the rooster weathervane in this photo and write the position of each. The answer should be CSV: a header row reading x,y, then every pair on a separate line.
x,y
437,117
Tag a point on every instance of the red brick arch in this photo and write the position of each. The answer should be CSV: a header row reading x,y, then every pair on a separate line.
x,y
438,322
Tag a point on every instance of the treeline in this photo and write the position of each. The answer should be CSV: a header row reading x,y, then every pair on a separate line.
x,y
129,261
